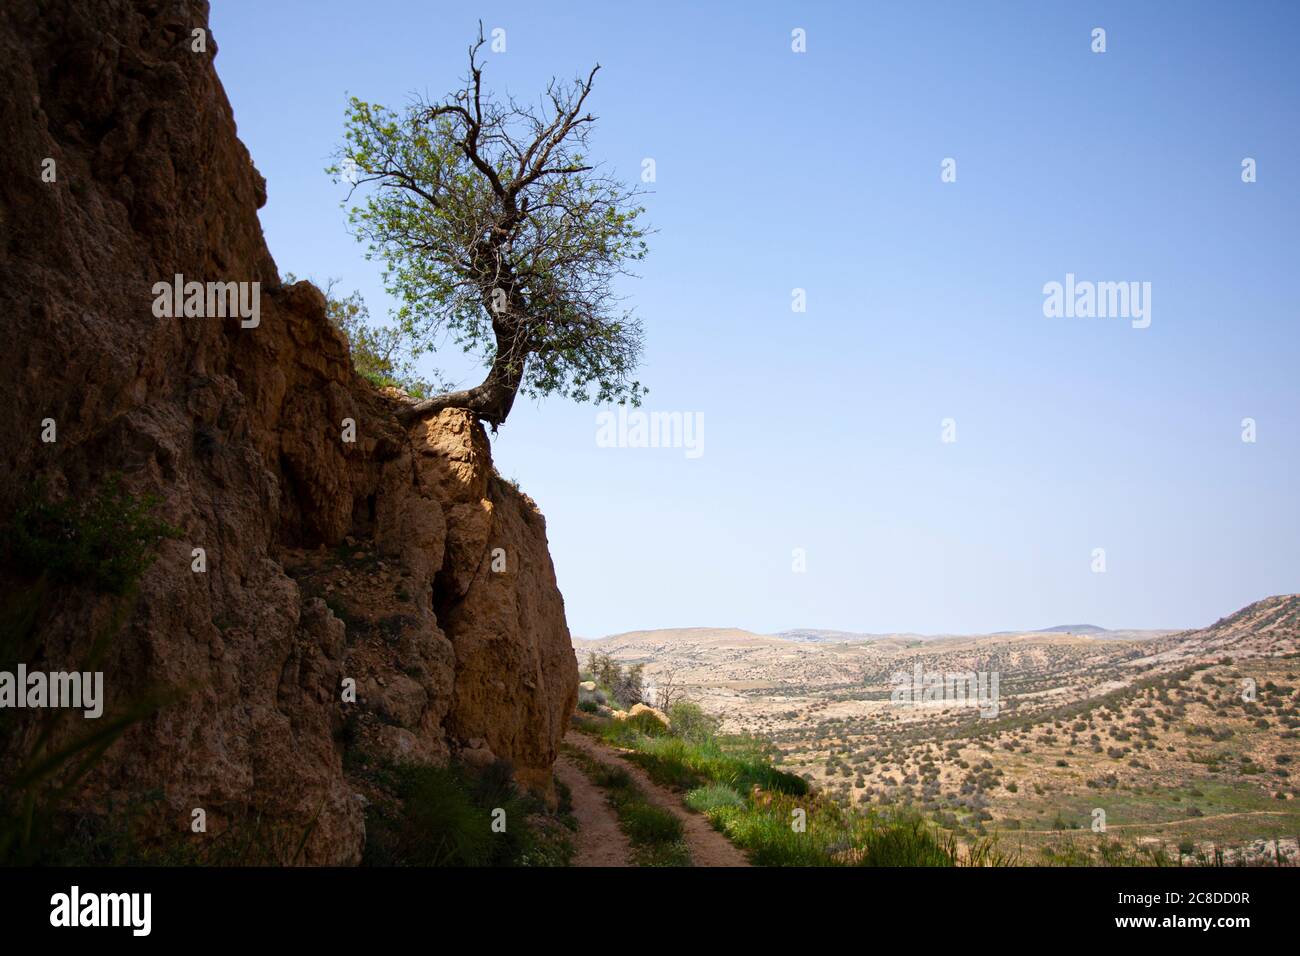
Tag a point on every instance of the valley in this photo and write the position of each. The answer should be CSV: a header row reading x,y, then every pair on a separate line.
x,y
1102,744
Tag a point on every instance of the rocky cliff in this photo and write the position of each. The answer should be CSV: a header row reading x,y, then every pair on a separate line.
x,y
336,542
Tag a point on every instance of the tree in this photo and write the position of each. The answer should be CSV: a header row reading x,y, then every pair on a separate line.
x,y
631,687
668,689
604,670
498,231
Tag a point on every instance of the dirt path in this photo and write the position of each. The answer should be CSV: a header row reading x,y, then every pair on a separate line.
x,y
708,846
599,841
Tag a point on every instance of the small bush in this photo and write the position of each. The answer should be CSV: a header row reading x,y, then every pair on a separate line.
x,y
610,776
691,722
438,825
444,818
105,540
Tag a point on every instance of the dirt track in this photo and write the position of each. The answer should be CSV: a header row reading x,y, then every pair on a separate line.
x,y
599,841
708,847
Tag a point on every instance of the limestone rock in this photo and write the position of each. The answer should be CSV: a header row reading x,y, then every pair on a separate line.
x,y
654,711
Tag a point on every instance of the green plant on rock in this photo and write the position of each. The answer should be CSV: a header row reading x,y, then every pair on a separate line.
x,y
105,540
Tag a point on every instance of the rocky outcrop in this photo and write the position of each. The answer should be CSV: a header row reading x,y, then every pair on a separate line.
x,y
338,543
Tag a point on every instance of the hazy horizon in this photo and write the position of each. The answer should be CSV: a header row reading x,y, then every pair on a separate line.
x,y
840,630
959,632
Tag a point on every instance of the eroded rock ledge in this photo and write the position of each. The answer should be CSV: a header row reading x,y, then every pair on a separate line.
x,y
325,559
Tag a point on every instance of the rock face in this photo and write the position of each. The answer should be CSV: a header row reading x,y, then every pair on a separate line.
x,y
399,559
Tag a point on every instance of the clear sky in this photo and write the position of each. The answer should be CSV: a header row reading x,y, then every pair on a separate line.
x,y
822,430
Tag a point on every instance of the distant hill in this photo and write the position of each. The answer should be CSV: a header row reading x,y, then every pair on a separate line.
x,y
810,635
1266,628
675,637
734,636
1258,624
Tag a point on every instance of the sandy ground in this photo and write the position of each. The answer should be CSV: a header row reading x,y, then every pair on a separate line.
x,y
599,841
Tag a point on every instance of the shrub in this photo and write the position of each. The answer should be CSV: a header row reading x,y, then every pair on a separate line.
x,y
380,354
691,722
444,818
105,540
438,824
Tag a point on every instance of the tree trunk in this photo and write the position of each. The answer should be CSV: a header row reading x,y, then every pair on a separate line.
x,y
491,401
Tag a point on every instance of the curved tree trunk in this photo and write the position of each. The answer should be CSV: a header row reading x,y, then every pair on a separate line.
x,y
491,401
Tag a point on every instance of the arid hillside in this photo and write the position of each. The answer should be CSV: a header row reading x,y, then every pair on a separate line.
x,y
1186,738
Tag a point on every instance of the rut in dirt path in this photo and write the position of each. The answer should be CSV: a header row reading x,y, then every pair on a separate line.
x,y
599,841
708,847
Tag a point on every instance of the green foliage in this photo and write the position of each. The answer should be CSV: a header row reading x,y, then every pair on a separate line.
x,y
656,835
1105,851
624,686
691,722
498,230
381,354
835,836
48,765
648,724
120,837
647,824
104,540
732,781
712,797
444,818
739,762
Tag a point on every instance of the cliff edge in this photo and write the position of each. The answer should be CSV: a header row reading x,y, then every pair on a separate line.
x,y
337,544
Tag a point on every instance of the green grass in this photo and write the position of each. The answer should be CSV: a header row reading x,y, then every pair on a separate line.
x,y
648,825
774,815
712,797
444,817
1104,850
122,836
783,830
740,763
656,834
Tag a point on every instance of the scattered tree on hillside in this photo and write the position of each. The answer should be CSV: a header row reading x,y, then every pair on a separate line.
x,y
668,689
626,685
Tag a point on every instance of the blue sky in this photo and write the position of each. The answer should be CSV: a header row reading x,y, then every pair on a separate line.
x,y
821,171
